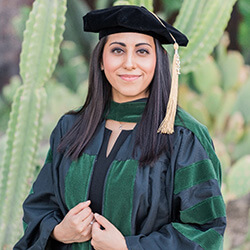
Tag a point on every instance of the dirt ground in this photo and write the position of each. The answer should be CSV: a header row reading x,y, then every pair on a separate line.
x,y
238,225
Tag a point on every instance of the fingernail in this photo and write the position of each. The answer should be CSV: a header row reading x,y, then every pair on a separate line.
x,y
97,215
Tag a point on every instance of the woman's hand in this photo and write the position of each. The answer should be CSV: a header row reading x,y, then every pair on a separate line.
x,y
76,225
108,239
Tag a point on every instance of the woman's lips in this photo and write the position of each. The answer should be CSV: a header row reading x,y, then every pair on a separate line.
x,y
129,78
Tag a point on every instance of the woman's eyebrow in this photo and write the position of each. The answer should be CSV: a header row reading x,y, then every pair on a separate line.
x,y
122,44
139,44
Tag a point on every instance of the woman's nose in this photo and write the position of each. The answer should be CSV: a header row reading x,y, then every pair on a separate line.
x,y
129,61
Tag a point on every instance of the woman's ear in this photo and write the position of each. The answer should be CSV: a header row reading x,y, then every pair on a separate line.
x,y
102,68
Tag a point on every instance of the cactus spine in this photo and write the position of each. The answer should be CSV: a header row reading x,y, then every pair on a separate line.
x,y
40,50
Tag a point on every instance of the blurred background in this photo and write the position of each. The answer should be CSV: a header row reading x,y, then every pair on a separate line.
x,y
215,91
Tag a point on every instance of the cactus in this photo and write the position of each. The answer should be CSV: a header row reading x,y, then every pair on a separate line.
x,y
101,4
225,111
207,76
235,128
213,100
40,50
243,102
231,69
191,102
242,148
189,16
204,23
238,178
225,158
146,3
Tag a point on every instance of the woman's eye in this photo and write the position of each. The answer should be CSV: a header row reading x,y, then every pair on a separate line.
x,y
117,51
143,51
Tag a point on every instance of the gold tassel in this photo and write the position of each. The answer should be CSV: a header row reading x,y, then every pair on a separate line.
x,y
167,125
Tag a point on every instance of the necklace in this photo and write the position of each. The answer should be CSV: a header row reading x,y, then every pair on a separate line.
x,y
120,127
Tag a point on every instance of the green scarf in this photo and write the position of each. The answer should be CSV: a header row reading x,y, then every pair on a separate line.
x,y
127,111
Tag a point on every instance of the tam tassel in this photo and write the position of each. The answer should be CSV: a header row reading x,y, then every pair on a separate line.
x,y
167,125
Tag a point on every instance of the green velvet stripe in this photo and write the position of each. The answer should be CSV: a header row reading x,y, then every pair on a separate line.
x,y
208,240
76,187
193,174
119,192
126,112
25,225
77,180
205,211
185,120
49,157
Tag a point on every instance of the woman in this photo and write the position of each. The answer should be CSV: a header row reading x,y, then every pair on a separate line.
x,y
110,181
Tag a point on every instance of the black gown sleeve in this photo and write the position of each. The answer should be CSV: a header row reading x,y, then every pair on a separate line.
x,y
198,212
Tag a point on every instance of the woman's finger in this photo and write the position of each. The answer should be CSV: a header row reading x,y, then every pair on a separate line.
x,y
96,231
103,221
79,207
87,222
83,214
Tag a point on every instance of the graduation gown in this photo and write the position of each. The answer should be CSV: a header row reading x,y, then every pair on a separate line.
x,y
174,204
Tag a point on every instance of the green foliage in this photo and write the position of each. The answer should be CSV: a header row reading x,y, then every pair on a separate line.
x,y
72,69
40,50
244,29
20,20
171,6
74,28
10,89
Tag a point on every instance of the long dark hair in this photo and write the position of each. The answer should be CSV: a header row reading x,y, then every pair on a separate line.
x,y
151,143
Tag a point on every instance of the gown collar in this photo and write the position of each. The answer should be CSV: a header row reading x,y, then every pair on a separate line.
x,y
127,111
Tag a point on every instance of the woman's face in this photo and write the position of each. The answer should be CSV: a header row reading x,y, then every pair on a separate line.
x,y
128,62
